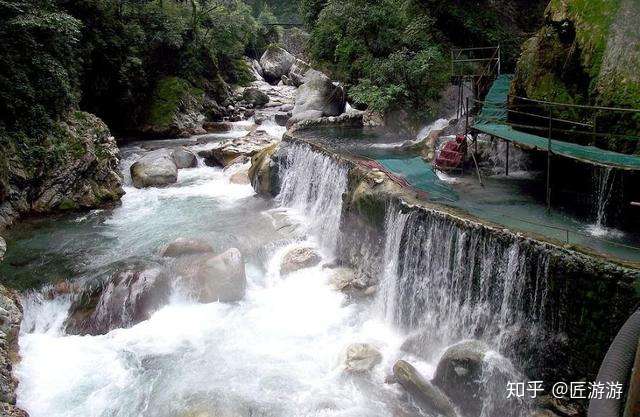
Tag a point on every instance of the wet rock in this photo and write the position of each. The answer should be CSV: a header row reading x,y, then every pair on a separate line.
x,y
275,63
299,258
361,357
127,298
3,248
216,277
281,118
262,172
552,407
459,374
423,391
217,127
154,169
318,93
346,280
184,158
225,153
255,97
86,178
186,246
303,116
241,177
10,318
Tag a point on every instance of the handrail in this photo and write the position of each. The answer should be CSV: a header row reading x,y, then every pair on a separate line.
x,y
579,106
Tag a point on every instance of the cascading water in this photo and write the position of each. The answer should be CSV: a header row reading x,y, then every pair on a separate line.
x,y
464,284
604,179
445,284
313,184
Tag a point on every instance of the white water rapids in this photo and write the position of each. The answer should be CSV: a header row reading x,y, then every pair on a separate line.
x,y
276,353
280,350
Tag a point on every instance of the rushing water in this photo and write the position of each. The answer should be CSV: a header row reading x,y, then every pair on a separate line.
x,y
275,353
278,352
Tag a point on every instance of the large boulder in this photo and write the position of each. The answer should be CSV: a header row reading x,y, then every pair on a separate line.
x,y
184,158
459,374
474,378
275,63
3,248
255,97
422,391
319,93
212,278
128,297
227,153
299,258
186,246
361,357
156,168
262,173
300,71
88,177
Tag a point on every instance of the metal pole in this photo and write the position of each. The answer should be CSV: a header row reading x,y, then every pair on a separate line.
x,y
549,166
466,119
506,165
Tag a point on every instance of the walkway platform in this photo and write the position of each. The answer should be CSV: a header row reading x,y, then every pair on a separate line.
x,y
492,120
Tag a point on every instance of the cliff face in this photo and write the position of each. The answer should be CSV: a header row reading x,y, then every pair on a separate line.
x,y
76,167
587,52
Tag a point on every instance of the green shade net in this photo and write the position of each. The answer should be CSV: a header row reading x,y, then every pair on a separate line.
x,y
493,121
420,175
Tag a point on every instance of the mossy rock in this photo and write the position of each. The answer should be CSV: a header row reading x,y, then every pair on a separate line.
x,y
171,96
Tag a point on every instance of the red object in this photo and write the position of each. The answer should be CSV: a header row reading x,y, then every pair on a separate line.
x,y
451,156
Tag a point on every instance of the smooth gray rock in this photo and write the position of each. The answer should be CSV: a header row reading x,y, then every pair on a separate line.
x,y
305,115
299,258
186,246
361,357
154,169
184,158
464,376
275,63
318,93
128,297
300,71
423,391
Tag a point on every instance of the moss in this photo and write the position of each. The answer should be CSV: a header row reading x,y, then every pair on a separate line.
x,y
171,93
68,204
592,20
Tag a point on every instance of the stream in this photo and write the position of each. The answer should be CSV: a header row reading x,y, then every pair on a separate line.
x,y
275,353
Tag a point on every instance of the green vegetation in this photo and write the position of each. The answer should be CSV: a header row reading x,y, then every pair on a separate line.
x,y
393,54
169,94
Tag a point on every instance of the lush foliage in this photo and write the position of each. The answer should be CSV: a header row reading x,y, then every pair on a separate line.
x,y
394,53
384,49
107,56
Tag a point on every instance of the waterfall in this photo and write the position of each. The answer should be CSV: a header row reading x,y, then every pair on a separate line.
x,y
445,282
453,283
313,184
604,186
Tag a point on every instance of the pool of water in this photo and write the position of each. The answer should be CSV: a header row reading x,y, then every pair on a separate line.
x,y
515,201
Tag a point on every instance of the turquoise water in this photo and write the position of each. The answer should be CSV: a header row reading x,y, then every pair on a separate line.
x,y
513,202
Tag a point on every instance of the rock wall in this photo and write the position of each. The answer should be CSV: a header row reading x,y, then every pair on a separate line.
x,y
554,309
75,168
10,317
587,52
